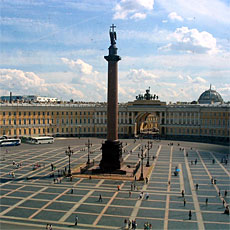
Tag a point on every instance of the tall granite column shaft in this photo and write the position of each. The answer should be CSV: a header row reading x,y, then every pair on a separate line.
x,y
112,148
112,106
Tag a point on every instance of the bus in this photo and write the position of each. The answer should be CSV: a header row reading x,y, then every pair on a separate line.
x,y
9,142
41,140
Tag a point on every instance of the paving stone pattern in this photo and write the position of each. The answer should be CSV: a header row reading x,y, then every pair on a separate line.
x,y
32,199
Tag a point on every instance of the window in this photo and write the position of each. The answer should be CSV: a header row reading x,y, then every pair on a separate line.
x,y
48,113
19,121
9,113
14,113
14,122
19,113
57,113
34,131
67,113
24,113
76,121
4,113
43,113
34,113
38,113
24,121
29,113
24,131
44,130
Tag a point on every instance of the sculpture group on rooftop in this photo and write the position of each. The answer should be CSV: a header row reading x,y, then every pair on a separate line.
x,y
147,96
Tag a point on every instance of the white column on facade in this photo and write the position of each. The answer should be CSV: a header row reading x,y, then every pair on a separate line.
x,y
160,122
169,118
103,117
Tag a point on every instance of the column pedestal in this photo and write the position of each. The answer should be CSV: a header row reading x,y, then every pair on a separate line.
x,y
111,156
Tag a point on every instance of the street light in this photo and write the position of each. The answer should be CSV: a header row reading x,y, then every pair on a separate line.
x,y
142,166
88,145
149,146
68,153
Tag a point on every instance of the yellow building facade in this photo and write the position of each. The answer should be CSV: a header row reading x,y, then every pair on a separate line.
x,y
208,122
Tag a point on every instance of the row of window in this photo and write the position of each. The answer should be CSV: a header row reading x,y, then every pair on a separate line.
x,y
77,131
44,113
59,121
196,131
58,113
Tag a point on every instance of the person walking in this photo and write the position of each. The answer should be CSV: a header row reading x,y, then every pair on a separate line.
x,y
190,215
197,186
76,220
130,194
100,198
184,202
206,201
147,196
182,193
51,227
225,193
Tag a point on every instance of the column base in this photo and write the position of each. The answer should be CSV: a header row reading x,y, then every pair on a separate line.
x,y
111,156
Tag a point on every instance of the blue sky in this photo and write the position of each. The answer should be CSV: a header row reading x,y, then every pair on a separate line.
x,y
56,48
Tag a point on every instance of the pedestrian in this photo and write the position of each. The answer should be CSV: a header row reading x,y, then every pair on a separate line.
x,y
212,180
47,226
215,181
182,193
147,196
191,162
118,187
197,186
71,191
125,223
223,202
146,180
76,220
129,224
206,201
141,195
51,227
225,193
169,182
219,193
213,161
190,215
100,198
184,202
71,178
226,211
195,161
130,194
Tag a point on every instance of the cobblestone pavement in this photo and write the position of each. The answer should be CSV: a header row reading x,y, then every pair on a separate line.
x,y
32,199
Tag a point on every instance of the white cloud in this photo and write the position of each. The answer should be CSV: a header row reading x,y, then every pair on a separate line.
x,y
204,11
175,17
82,66
191,41
23,83
140,75
164,21
138,16
133,9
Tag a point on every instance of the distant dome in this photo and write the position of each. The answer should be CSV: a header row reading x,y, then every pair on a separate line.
x,y
210,96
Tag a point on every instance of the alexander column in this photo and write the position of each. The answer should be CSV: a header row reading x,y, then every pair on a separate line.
x,y
112,149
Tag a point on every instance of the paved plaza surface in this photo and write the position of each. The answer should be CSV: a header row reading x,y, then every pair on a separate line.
x,y
31,198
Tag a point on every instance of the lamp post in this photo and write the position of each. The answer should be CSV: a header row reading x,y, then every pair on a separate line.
x,y
142,166
69,153
88,145
148,148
